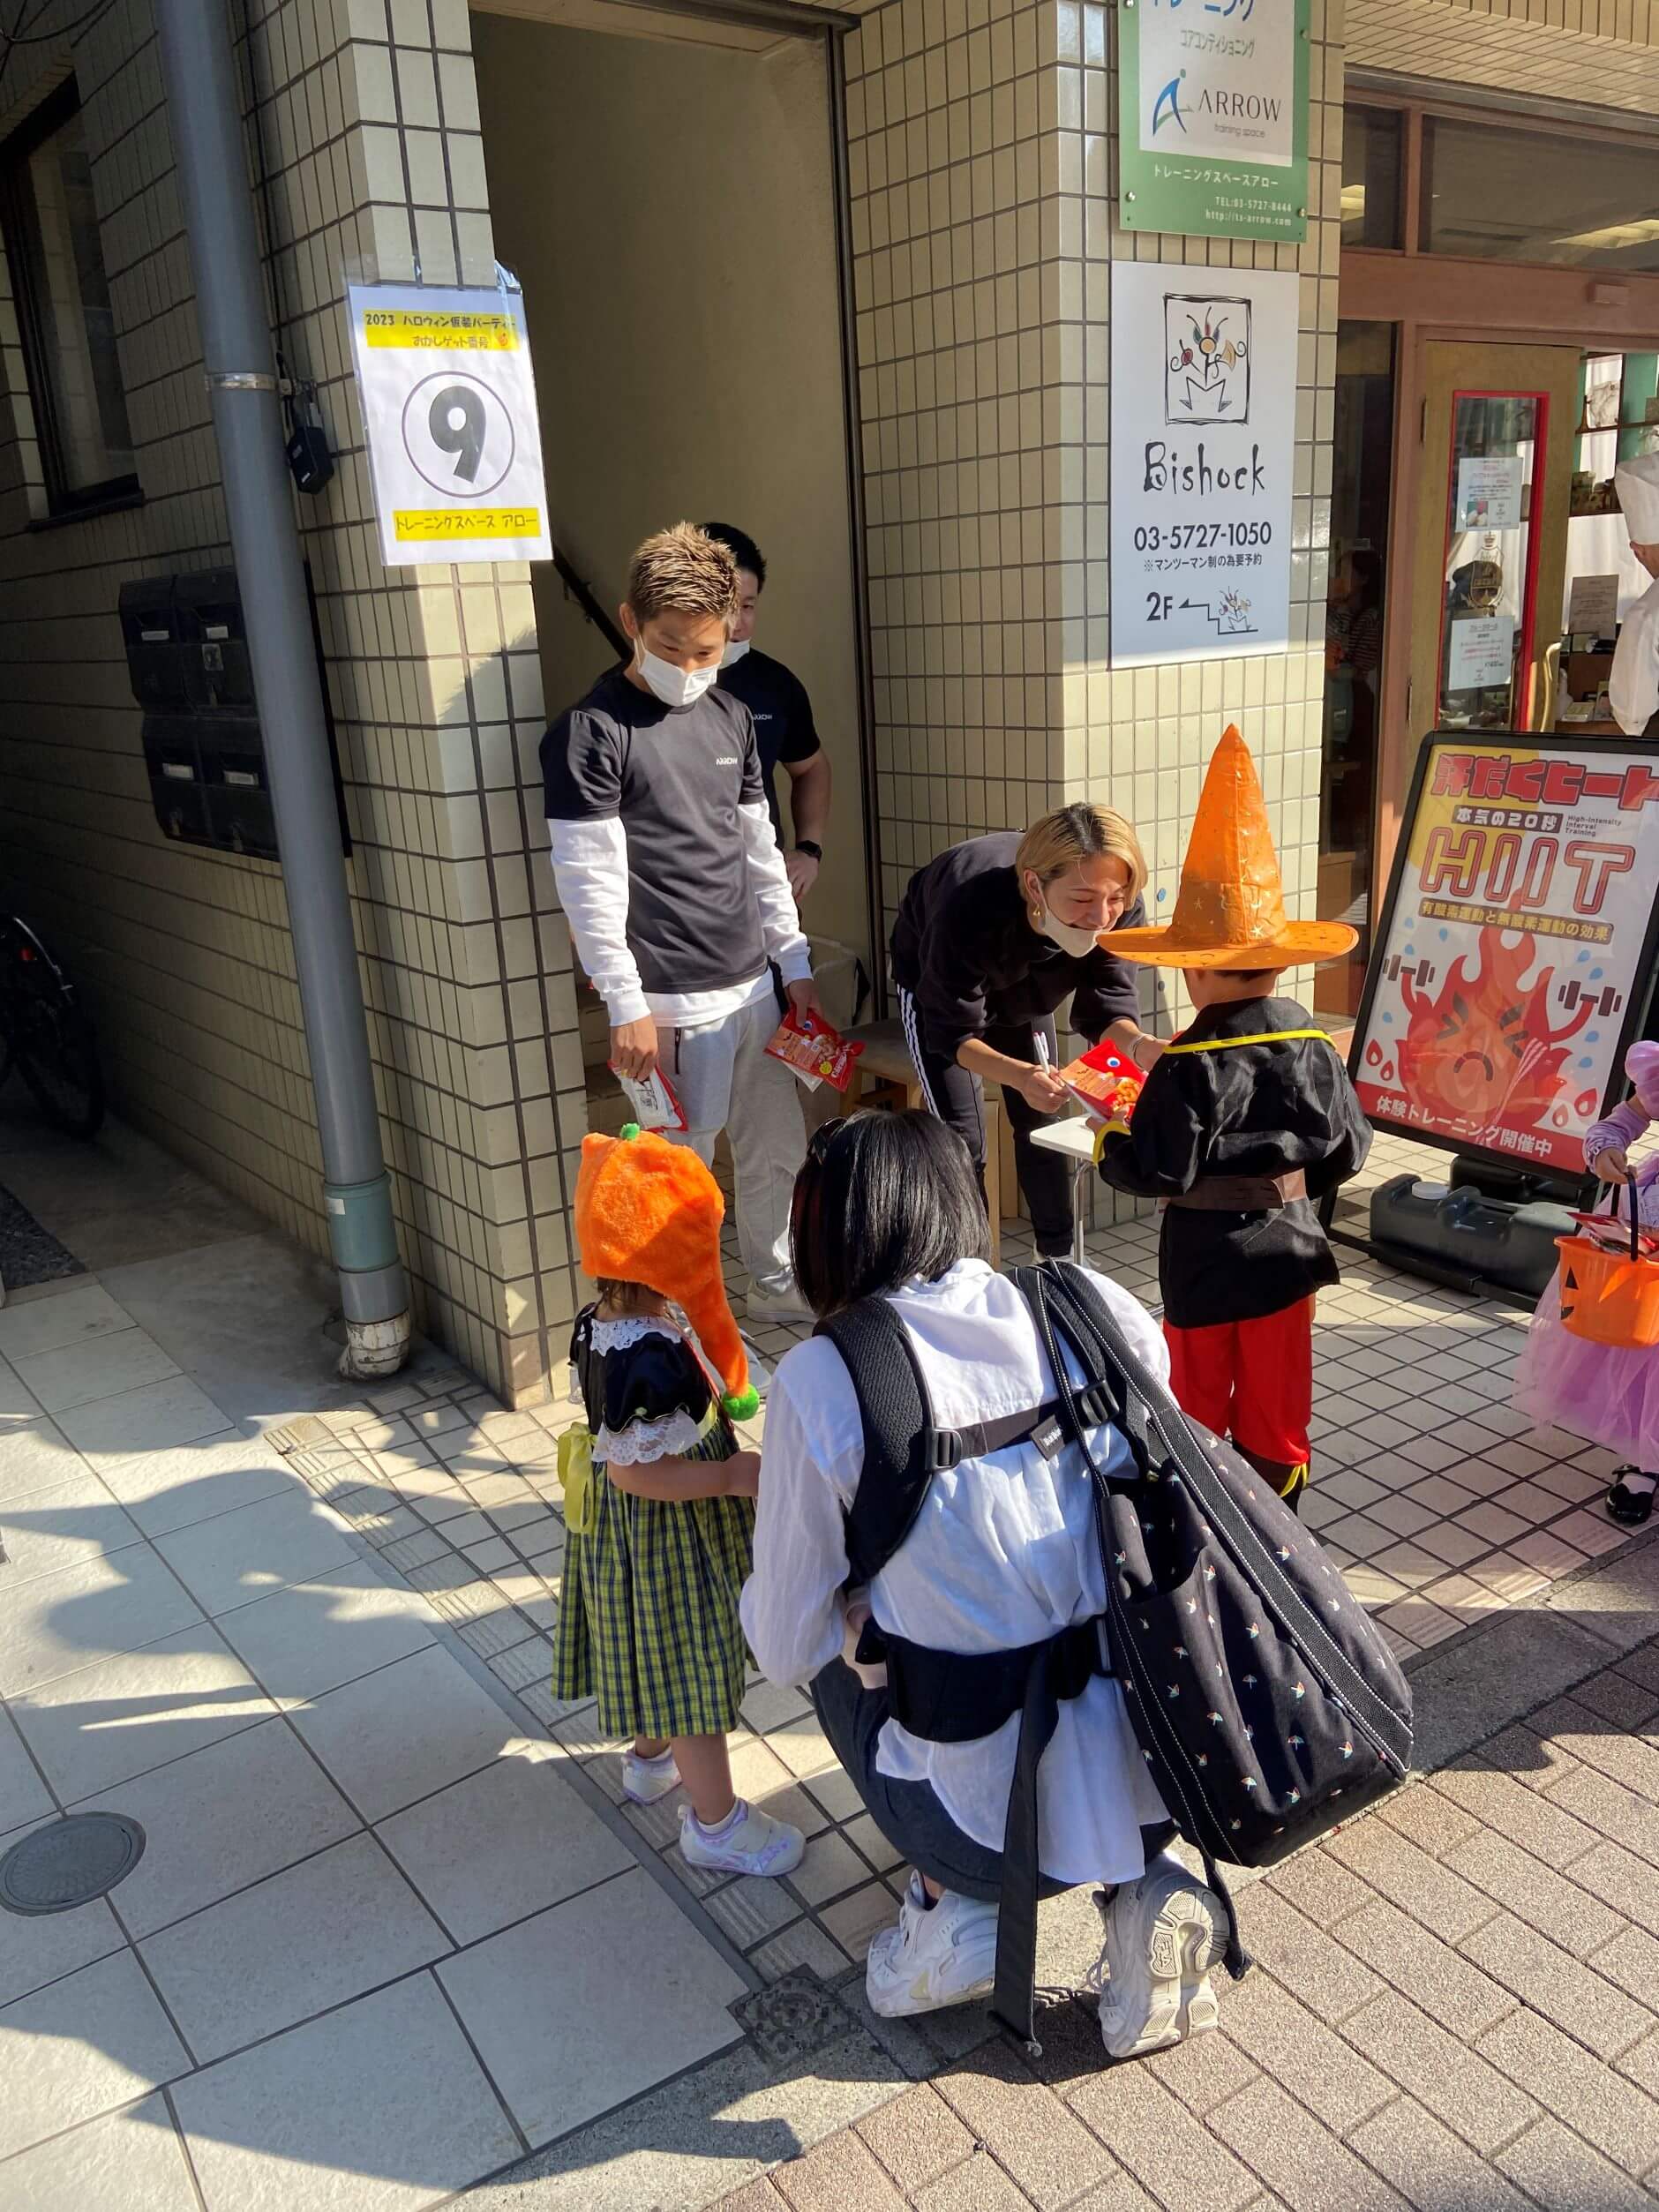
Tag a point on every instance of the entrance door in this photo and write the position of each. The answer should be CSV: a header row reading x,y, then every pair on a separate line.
x,y
1500,429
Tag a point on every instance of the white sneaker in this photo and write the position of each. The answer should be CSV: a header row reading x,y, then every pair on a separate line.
x,y
784,1308
939,1954
645,1780
1163,1934
750,1842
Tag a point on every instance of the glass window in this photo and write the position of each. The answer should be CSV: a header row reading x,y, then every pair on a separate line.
x,y
63,300
1486,600
1494,194
1361,479
1371,176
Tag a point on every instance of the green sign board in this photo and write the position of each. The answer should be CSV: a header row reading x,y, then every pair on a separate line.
x,y
1212,100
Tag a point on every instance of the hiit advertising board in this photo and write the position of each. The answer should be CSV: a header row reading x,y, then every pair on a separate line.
x,y
1513,959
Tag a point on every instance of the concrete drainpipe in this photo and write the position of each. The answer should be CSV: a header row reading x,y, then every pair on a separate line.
x,y
205,117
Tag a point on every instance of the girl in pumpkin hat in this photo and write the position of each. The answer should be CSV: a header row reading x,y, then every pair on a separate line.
x,y
1246,1121
659,1499
1609,1394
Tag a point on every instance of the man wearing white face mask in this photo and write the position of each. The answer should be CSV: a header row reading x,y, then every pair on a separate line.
x,y
671,879
992,936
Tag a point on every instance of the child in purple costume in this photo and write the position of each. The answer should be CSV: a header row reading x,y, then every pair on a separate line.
x,y
1599,1391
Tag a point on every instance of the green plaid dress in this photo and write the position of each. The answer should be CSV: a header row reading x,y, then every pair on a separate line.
x,y
648,1622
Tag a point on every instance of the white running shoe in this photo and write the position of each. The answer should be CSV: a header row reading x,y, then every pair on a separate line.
x,y
750,1841
1163,1934
645,1780
938,1954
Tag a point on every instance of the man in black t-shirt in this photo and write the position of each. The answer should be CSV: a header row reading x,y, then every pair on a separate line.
x,y
783,729
671,879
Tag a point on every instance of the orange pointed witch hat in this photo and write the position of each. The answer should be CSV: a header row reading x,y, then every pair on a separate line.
x,y
1230,912
648,1211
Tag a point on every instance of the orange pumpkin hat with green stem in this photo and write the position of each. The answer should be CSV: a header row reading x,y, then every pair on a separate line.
x,y
649,1211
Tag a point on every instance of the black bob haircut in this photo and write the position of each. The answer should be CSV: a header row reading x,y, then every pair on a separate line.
x,y
880,1199
741,547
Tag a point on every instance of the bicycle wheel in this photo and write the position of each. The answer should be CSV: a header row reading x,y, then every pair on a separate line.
x,y
53,1042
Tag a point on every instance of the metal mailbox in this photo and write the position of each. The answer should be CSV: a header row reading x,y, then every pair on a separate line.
x,y
187,660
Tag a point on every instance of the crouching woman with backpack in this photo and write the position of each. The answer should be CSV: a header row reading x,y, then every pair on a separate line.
x,y
939,1585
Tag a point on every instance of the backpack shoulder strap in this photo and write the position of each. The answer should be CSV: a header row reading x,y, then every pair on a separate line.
x,y
900,1451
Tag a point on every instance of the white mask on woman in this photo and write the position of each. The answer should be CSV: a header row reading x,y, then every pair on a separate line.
x,y
1078,943
674,686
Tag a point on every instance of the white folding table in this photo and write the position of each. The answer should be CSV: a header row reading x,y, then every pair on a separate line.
x,y
1074,1139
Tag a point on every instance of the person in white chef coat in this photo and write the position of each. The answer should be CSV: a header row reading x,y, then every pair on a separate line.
x,y
1632,689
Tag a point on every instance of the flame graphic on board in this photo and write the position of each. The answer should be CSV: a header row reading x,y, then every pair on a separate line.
x,y
1481,1051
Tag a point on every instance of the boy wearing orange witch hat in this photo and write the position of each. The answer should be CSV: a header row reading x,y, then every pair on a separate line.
x,y
1245,1121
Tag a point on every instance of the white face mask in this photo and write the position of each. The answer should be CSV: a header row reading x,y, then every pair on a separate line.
x,y
674,686
1078,942
734,651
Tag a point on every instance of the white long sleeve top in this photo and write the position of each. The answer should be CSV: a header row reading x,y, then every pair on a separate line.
x,y
1004,1553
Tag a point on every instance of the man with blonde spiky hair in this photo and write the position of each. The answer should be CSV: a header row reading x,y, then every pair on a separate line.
x,y
671,879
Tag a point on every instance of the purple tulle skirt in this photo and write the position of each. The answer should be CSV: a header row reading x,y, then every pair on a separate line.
x,y
1606,1395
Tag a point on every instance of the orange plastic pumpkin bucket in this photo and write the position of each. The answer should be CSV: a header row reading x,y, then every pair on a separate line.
x,y
1610,1298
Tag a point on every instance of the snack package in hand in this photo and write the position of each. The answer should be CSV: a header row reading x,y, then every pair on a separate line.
x,y
1106,1083
653,1102
814,1051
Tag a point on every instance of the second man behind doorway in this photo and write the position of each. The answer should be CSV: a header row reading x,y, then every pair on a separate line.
x,y
784,732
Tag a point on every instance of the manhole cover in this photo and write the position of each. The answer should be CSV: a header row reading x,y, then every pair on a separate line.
x,y
794,2018
70,1863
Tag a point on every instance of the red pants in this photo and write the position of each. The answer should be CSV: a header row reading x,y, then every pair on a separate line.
x,y
1250,1380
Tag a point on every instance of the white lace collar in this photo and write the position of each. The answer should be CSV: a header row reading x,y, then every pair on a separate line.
x,y
616,1336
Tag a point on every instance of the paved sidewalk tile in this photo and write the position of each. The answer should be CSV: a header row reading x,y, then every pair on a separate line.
x,y
1457,2084
1620,2118
1561,2173
131,2161
991,2093
81,2046
1432,2167
1302,2162
380,2107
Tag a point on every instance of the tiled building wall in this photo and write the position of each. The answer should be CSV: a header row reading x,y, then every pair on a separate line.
x,y
1606,51
984,163
366,143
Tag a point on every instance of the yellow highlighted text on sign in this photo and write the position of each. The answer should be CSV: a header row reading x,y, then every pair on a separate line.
x,y
430,331
420,525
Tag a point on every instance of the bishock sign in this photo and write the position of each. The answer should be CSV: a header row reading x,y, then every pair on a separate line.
x,y
1515,953
1203,423
1212,100
449,411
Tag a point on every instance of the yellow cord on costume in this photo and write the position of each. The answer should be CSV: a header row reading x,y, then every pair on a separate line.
x,y
1268,1037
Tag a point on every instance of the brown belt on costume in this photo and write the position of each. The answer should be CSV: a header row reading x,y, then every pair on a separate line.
x,y
1243,1194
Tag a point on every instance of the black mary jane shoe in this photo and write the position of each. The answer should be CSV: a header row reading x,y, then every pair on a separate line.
x,y
1629,1508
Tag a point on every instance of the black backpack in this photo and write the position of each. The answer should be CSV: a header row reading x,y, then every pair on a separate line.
x,y
1266,1705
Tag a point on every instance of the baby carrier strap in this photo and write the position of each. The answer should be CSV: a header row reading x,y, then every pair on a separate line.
x,y
903,1446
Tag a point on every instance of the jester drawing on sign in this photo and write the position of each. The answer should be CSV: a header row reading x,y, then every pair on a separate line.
x,y
1205,356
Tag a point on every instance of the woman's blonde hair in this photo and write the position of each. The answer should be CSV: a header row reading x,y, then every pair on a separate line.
x,y
1057,842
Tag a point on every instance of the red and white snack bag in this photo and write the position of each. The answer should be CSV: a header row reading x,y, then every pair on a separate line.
x,y
1106,1084
654,1103
814,1051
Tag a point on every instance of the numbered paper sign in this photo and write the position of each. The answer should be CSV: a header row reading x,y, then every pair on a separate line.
x,y
449,407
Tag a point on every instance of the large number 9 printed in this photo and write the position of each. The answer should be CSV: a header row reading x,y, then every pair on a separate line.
x,y
464,438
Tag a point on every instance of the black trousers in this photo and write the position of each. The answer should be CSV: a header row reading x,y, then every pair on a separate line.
x,y
957,1099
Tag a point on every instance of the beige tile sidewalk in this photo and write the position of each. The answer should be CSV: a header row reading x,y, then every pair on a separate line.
x,y
1455,2009
378,1945
1440,1508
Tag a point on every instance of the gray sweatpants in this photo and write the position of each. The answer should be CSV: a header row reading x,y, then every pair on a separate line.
x,y
725,1079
